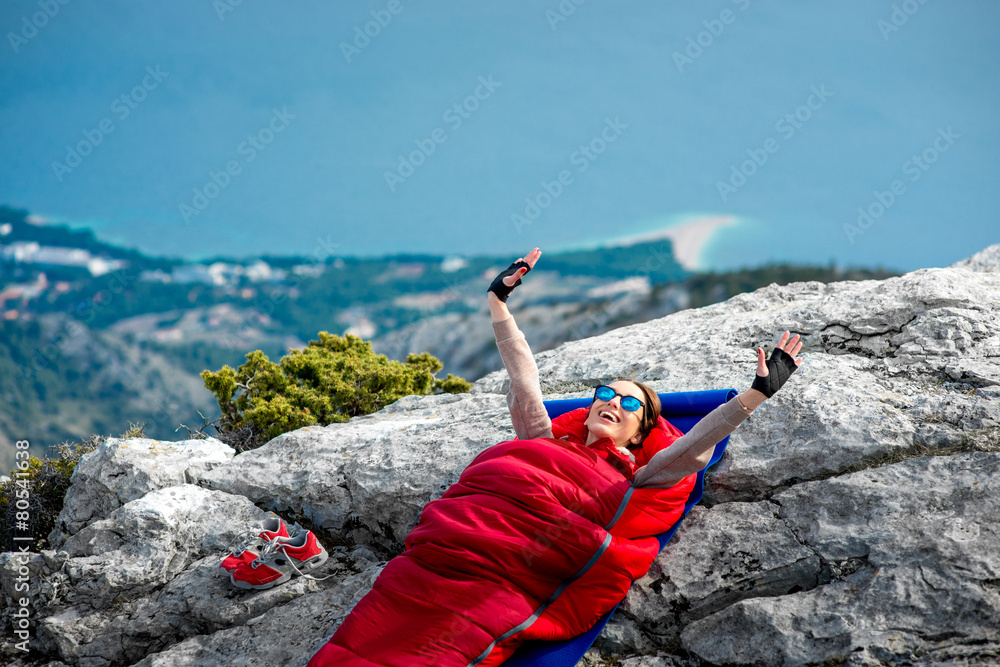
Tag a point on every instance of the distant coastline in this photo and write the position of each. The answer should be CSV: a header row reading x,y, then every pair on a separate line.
x,y
689,236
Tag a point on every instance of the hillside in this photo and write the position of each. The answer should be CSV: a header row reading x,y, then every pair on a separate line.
x,y
851,520
90,332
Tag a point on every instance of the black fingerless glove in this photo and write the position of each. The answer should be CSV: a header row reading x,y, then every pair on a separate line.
x,y
779,368
499,288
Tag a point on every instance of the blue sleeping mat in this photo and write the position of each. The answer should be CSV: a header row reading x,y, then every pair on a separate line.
x,y
683,410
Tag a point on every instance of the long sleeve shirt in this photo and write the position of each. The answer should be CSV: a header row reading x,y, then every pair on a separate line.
x,y
686,455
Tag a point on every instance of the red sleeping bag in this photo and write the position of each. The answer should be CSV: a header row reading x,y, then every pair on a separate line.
x,y
537,540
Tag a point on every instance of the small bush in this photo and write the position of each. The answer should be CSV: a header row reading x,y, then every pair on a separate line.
x,y
43,485
134,431
329,381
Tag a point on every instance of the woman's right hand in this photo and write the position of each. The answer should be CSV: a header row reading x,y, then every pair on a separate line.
x,y
498,307
510,277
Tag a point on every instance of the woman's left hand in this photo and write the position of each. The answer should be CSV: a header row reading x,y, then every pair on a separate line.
x,y
774,372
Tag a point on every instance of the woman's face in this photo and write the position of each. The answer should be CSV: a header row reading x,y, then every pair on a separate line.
x,y
607,419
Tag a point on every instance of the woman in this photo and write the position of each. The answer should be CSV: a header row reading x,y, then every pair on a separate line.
x,y
544,534
606,419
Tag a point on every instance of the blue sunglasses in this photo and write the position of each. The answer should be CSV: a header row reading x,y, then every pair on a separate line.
x,y
629,403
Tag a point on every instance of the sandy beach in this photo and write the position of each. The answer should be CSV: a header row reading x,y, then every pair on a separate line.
x,y
689,238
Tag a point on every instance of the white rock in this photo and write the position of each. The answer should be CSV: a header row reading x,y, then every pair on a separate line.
x,y
122,470
285,635
921,541
147,542
84,596
368,479
987,259
732,552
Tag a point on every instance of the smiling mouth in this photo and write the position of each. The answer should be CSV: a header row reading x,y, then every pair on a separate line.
x,y
608,416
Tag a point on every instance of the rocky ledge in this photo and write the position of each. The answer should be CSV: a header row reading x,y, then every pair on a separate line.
x,y
852,521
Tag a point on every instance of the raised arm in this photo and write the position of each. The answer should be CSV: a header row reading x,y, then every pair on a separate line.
x,y
524,398
692,451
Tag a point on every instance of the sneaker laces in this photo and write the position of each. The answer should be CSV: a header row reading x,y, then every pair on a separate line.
x,y
243,543
252,538
269,548
275,545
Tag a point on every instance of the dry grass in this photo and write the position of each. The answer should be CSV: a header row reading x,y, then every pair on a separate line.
x,y
983,440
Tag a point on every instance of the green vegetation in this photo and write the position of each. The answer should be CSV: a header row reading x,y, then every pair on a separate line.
x,y
331,380
708,288
654,260
40,488
48,394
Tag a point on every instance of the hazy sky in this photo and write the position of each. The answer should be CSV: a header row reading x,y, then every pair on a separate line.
x,y
235,128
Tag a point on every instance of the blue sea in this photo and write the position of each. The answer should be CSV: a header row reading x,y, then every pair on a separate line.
x,y
188,130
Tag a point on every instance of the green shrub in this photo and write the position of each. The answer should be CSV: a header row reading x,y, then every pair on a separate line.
x,y
43,485
330,380
45,480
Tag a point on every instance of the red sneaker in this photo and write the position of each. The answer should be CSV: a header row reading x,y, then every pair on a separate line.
x,y
279,559
250,546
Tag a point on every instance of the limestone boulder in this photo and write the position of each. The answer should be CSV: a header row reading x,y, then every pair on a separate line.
x,y
113,573
287,634
987,259
149,541
367,480
916,550
734,551
198,606
121,470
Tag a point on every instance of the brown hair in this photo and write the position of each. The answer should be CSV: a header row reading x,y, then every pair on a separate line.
x,y
650,413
